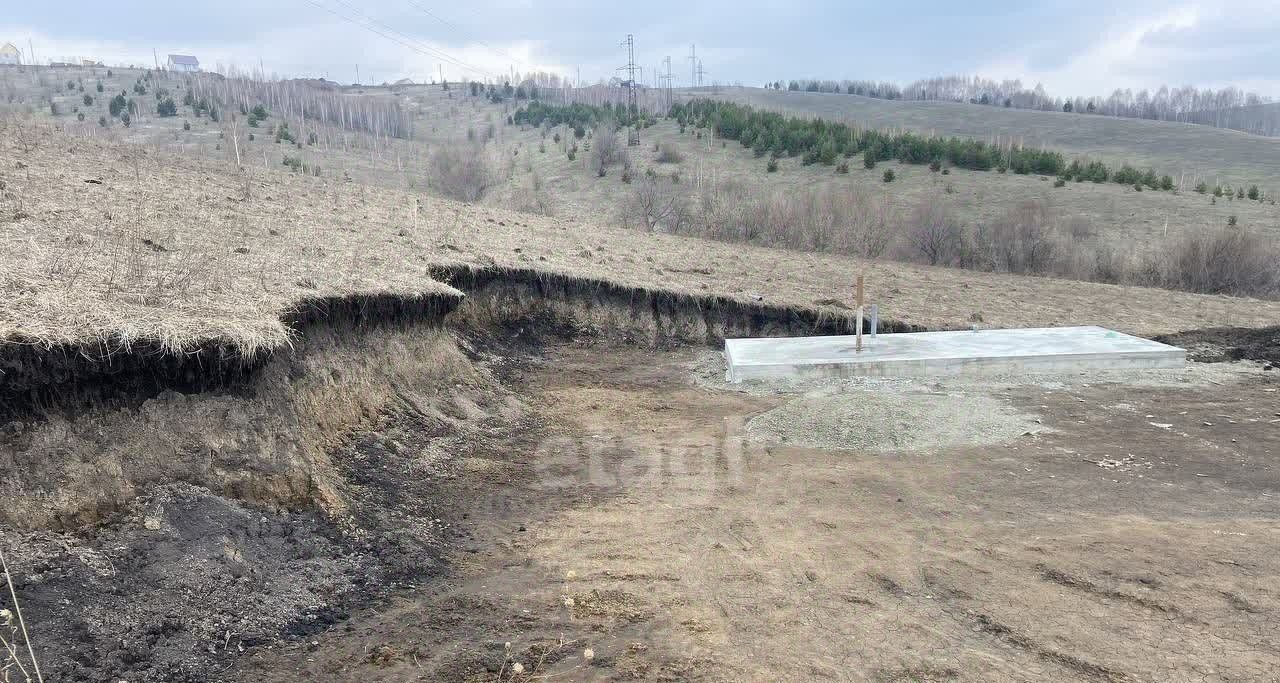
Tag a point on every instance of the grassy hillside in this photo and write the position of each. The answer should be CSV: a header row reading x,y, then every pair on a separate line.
x,y
724,188
1175,148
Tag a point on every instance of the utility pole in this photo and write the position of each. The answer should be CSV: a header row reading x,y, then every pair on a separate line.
x,y
440,70
633,109
357,74
155,56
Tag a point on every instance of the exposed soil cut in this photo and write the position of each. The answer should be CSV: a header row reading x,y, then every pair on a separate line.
x,y
597,506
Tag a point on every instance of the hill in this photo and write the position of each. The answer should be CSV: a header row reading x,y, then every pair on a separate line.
x,y
1216,155
1260,119
450,143
93,252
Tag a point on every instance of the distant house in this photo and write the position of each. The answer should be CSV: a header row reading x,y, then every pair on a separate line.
x,y
90,62
183,63
10,54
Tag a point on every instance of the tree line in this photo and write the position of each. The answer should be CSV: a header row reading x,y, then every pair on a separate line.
x,y
1228,107
820,141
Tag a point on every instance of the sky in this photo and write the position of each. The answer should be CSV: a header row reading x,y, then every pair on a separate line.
x,y
1073,48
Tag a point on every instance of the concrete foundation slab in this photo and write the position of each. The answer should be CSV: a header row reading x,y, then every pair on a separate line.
x,y
1048,349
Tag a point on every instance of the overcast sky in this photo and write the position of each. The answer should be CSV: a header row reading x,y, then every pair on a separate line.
x,y
1071,47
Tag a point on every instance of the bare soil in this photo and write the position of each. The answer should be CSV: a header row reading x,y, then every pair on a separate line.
x,y
1133,541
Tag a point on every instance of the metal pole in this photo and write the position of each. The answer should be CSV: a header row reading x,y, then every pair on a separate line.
x,y
875,319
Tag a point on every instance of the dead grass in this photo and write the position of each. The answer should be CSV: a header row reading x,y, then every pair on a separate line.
x,y
118,244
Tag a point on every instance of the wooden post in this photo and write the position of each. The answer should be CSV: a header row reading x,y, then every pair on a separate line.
x,y
858,325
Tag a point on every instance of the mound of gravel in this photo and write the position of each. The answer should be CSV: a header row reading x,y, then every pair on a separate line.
x,y
889,421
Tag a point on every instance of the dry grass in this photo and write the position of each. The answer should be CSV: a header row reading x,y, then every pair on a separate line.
x,y
178,252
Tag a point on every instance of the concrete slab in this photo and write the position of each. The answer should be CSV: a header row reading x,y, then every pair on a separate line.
x,y
1048,349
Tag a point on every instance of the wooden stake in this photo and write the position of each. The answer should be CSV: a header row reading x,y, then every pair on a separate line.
x,y
858,325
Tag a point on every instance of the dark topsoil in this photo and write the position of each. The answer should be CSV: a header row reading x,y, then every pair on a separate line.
x,y
1220,344
179,585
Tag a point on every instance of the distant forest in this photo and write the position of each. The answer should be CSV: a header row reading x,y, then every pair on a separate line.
x,y
1226,108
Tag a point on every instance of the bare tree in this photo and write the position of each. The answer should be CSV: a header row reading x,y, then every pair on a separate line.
x,y
606,150
656,204
934,233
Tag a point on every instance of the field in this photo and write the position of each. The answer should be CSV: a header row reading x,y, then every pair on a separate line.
x,y
270,421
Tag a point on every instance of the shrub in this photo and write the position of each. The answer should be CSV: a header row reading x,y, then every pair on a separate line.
x,y
80,116
53,108
606,149
669,154
1254,193
166,108
888,175
462,172
1228,261
186,125
1202,187
842,167
102,121
1231,220
294,163
88,100
772,166
868,161
1059,183
935,165
117,105
125,119
99,86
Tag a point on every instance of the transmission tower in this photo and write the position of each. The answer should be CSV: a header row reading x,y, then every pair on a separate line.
x,y
633,106
693,67
701,72
667,78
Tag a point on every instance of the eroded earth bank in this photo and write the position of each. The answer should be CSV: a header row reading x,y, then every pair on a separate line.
x,y
553,485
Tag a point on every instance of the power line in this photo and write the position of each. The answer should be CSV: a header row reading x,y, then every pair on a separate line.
x,y
403,39
497,51
440,54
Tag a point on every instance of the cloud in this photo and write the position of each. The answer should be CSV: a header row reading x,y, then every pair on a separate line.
x,y
308,50
1197,43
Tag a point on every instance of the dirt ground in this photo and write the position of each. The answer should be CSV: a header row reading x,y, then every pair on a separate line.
x,y
637,534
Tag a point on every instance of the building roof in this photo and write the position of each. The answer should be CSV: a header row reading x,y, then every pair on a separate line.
x,y
10,49
185,60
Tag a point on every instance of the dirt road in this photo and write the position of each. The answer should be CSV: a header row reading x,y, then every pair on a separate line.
x,y
1129,534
